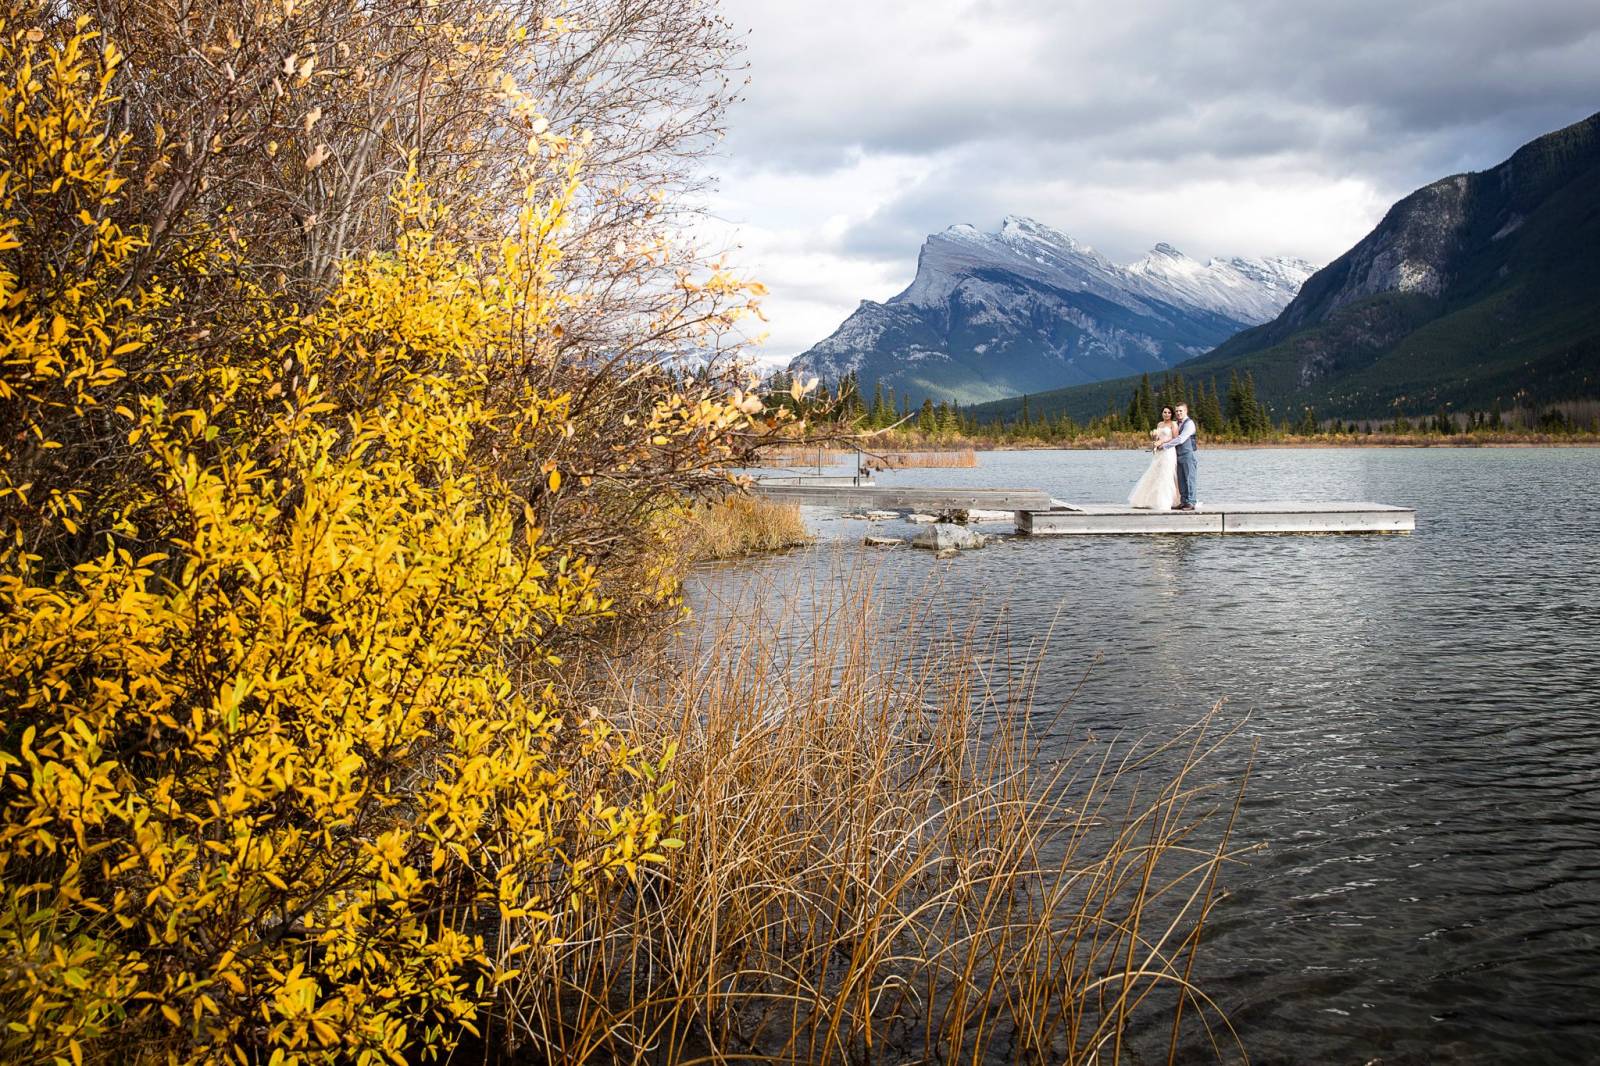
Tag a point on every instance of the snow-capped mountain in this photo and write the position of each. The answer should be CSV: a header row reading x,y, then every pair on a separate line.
x,y
1031,308
1250,290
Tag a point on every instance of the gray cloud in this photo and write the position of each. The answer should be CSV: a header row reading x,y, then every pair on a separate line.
x,y
1084,112
1112,73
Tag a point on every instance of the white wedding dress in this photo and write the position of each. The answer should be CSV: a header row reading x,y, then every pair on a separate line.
x,y
1158,489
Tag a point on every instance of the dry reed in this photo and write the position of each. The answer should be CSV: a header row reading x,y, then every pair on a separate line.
x,y
941,458
740,525
881,864
955,458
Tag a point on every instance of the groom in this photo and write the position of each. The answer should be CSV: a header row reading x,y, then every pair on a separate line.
x,y
1188,478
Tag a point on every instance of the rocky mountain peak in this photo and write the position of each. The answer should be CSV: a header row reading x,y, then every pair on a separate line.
x,y
1018,228
1029,306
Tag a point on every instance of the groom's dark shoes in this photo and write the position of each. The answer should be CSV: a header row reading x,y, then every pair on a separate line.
x,y
1185,507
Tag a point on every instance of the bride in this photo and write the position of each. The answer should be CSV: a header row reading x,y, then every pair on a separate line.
x,y
1158,489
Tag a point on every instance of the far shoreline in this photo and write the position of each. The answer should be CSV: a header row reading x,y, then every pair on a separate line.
x,y
1272,445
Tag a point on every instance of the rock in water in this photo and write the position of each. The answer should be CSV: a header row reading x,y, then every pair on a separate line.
x,y
943,536
945,553
882,542
881,516
920,519
957,515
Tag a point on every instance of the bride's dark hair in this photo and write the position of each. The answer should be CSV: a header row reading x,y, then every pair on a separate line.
x,y
1167,412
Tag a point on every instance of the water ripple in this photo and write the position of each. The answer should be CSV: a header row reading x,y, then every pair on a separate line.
x,y
1427,782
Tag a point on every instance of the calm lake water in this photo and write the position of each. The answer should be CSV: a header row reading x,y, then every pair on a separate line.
x,y
1427,709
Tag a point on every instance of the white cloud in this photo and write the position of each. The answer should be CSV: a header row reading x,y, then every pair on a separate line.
x,y
786,228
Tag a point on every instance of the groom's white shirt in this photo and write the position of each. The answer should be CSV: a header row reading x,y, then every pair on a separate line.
x,y
1185,431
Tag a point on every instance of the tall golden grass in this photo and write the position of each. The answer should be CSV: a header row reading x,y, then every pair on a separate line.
x,y
740,525
953,458
883,863
944,458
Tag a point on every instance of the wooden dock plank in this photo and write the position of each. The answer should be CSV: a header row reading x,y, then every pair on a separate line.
x,y
1256,517
1390,520
1081,522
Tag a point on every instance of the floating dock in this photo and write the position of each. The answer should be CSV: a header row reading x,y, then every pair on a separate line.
x,y
1271,517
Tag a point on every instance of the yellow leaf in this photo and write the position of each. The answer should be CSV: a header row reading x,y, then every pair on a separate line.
x,y
554,481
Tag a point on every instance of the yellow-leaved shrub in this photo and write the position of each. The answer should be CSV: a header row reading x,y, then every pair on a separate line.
x,y
282,771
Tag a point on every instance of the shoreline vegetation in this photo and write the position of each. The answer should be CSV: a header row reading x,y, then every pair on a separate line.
x,y
931,449
901,449
1234,416
346,503
738,525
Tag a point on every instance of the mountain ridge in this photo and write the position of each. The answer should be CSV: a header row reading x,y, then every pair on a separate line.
x,y
1476,289
1031,307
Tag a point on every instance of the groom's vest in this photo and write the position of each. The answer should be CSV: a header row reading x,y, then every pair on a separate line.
x,y
1189,445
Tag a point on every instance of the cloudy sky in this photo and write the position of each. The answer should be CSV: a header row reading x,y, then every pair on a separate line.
x,y
1250,127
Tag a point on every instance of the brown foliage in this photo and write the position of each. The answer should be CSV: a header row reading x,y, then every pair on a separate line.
x,y
742,525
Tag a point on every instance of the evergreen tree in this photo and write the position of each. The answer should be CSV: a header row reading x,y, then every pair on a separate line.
x,y
927,420
1142,409
879,415
1022,419
1173,391
1207,409
1254,418
850,397
1308,424
1238,421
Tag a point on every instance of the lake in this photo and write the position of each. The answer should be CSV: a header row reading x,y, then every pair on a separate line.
x,y
1427,710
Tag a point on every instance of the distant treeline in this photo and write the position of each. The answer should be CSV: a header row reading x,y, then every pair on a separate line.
x,y
1230,414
